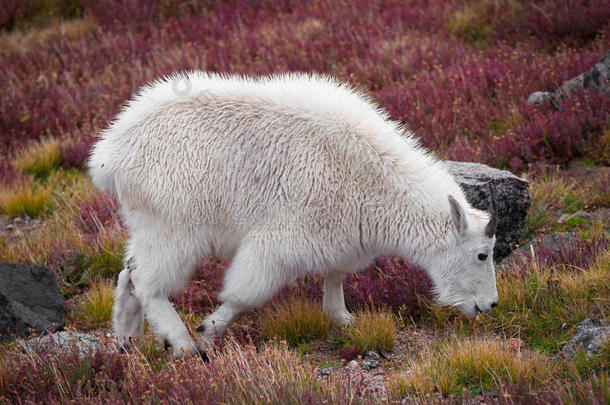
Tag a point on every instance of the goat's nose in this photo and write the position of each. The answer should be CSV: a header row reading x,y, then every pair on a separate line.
x,y
494,304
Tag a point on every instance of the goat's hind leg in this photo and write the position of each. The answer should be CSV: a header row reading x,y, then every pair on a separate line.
x,y
127,314
161,271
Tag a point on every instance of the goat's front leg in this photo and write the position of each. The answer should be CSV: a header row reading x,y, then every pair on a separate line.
x,y
334,302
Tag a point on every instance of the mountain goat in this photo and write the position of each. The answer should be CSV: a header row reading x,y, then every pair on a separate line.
x,y
285,175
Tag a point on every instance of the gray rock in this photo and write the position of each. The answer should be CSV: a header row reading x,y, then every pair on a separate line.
x,y
598,77
539,97
590,336
324,371
29,301
372,355
553,242
600,214
370,364
64,341
512,196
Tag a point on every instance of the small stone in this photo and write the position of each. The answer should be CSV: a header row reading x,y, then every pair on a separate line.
x,y
370,364
372,355
352,365
590,337
492,393
324,371
539,97
65,341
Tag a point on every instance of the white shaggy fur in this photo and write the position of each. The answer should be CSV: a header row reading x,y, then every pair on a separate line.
x,y
285,175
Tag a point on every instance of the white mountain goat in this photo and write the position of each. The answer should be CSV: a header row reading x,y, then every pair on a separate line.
x,y
285,175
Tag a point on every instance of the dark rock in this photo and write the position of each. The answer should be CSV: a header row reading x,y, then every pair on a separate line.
x,y
511,193
590,336
553,242
29,301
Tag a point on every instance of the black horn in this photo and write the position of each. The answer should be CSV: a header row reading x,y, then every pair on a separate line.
x,y
490,229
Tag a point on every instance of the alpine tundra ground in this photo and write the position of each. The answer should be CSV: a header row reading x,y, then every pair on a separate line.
x,y
457,73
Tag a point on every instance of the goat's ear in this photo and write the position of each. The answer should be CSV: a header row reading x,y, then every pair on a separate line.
x,y
458,215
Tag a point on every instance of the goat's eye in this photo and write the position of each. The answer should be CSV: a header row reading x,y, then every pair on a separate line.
x,y
482,256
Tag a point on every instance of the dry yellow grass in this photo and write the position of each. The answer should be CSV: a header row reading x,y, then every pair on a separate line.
x,y
59,230
16,41
295,321
24,198
477,364
372,330
40,158
94,309
475,20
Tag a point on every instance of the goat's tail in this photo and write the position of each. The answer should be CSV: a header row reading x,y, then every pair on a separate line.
x,y
100,166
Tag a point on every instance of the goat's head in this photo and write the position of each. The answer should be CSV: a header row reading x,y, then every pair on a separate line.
x,y
464,272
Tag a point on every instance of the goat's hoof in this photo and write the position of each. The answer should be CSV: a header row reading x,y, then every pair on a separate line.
x,y
204,356
343,319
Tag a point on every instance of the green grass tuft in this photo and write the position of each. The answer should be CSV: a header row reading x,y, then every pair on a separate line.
x,y
25,198
295,321
475,364
40,159
94,309
372,331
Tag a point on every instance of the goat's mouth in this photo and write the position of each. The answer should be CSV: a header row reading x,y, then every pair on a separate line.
x,y
471,310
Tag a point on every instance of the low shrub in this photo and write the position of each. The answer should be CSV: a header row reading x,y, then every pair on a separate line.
x,y
389,282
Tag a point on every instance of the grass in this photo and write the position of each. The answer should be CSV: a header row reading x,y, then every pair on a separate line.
x,y
295,321
477,364
545,303
40,158
457,73
94,308
372,330
596,364
25,197
554,195
236,375
551,196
